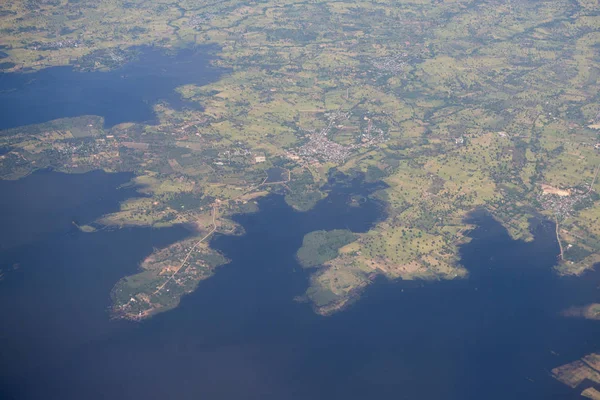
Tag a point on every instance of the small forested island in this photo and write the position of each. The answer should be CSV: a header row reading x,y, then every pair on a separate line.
x,y
452,106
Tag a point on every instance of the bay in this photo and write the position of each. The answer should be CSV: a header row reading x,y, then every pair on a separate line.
x,y
241,335
124,94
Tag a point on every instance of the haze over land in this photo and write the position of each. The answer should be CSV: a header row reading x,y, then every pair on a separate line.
x,y
436,108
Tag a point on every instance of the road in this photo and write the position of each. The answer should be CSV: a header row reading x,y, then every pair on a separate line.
x,y
562,254
594,180
213,229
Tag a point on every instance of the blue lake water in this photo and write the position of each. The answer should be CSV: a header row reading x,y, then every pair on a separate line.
x,y
126,94
57,209
495,335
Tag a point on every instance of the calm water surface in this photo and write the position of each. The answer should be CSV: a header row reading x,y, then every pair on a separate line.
x,y
127,94
241,336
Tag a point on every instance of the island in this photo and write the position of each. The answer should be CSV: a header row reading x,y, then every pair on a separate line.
x,y
584,373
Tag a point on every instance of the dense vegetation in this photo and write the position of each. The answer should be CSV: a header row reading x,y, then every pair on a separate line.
x,y
318,247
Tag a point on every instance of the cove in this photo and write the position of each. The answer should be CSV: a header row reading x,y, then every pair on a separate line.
x,y
54,291
241,335
48,203
125,94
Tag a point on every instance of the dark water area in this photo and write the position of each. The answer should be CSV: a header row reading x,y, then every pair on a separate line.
x,y
7,65
126,94
277,174
3,54
54,291
49,202
241,335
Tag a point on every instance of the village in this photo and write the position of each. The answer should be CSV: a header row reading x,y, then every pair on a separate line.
x,y
562,202
321,148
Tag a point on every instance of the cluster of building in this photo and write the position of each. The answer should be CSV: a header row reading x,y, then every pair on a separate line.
x,y
58,44
235,155
390,64
118,57
372,137
83,148
320,148
110,58
196,21
563,205
95,153
236,152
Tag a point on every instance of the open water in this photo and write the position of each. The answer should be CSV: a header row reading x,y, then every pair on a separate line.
x,y
126,94
241,335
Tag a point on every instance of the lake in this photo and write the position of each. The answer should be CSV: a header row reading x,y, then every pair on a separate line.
x,y
119,95
241,335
